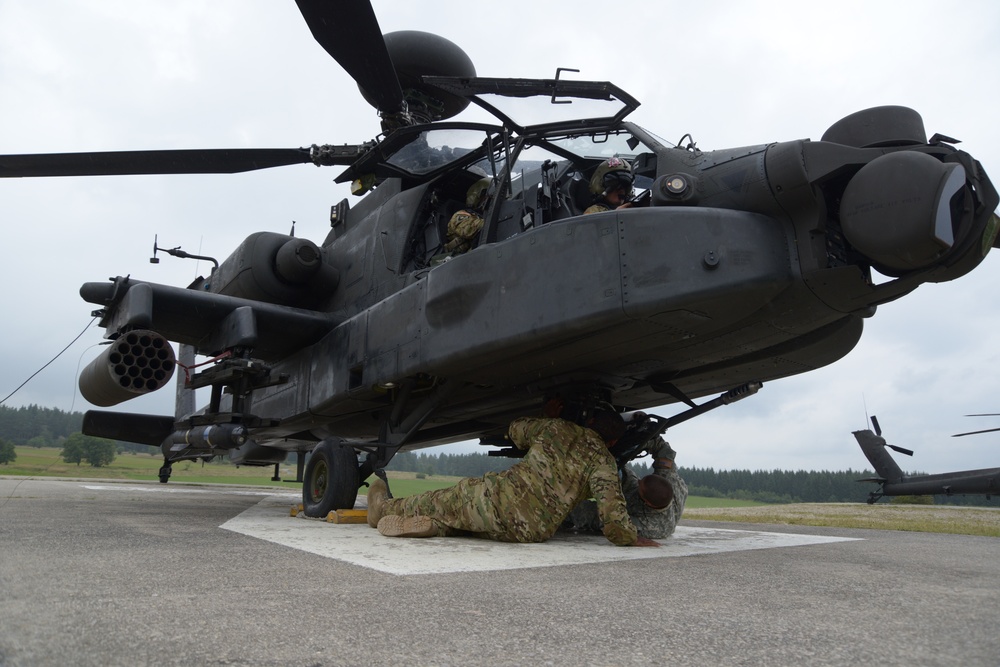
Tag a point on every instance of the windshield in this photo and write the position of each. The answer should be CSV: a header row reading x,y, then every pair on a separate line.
x,y
421,152
541,110
601,145
433,149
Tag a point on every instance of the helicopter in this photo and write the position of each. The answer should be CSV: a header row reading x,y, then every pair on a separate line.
x,y
893,482
741,266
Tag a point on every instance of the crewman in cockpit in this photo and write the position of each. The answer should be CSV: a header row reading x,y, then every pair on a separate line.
x,y
611,186
466,223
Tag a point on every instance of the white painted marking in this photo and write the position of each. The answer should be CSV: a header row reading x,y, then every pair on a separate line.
x,y
360,545
288,497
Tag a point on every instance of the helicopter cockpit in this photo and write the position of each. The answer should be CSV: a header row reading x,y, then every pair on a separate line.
x,y
540,172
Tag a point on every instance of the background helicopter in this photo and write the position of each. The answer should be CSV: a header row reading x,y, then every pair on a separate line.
x,y
893,481
720,113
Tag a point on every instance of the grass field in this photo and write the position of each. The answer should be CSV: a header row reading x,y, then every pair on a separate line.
x,y
45,462
983,521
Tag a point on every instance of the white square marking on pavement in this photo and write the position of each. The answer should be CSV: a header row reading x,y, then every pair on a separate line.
x,y
360,545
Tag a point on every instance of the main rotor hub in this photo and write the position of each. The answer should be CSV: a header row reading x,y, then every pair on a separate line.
x,y
417,54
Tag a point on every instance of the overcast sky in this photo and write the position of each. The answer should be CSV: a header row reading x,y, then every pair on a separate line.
x,y
121,75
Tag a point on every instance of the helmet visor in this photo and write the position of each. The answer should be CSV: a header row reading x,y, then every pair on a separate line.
x,y
617,181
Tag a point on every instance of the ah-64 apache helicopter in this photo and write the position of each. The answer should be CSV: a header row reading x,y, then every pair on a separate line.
x,y
739,266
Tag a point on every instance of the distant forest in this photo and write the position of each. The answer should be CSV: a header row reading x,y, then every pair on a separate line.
x,y
767,486
35,426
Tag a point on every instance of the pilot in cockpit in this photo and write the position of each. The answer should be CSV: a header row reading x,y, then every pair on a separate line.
x,y
611,186
466,223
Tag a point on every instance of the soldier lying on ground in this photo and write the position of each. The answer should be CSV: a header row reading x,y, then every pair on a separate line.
x,y
565,464
655,502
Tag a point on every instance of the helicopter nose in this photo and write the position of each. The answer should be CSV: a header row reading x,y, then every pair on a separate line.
x,y
904,210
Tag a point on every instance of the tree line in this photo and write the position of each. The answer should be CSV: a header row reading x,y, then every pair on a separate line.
x,y
775,486
35,426
766,486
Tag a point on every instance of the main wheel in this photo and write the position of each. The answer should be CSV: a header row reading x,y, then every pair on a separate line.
x,y
331,479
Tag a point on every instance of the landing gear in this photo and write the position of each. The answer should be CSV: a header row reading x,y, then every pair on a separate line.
x,y
331,479
165,471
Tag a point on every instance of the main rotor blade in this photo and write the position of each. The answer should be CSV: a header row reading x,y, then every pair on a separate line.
x,y
989,430
204,161
349,32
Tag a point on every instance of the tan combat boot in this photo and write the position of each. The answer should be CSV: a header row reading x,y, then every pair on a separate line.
x,y
378,492
407,526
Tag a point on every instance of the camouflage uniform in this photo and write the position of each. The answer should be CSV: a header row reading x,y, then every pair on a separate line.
x,y
565,463
599,207
651,523
462,230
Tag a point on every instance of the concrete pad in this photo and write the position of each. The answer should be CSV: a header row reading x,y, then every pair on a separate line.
x,y
360,545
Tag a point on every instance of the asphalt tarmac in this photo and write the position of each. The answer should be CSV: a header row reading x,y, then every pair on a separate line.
x,y
98,573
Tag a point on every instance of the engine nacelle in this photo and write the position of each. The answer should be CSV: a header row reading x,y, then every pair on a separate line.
x,y
135,363
276,268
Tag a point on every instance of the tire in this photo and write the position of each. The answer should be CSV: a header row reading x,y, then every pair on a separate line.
x,y
331,479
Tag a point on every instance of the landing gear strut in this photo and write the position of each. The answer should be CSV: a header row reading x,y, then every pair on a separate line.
x,y
331,479
165,471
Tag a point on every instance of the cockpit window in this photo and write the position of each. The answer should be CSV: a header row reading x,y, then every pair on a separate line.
x,y
420,153
601,145
433,149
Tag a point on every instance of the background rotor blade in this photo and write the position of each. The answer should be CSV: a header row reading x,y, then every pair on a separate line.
x,y
349,32
205,161
989,430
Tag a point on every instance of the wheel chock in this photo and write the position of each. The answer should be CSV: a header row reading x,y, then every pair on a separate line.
x,y
347,516
296,509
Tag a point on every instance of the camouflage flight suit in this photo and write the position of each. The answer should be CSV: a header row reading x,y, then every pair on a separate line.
x,y
599,207
565,464
651,523
462,230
